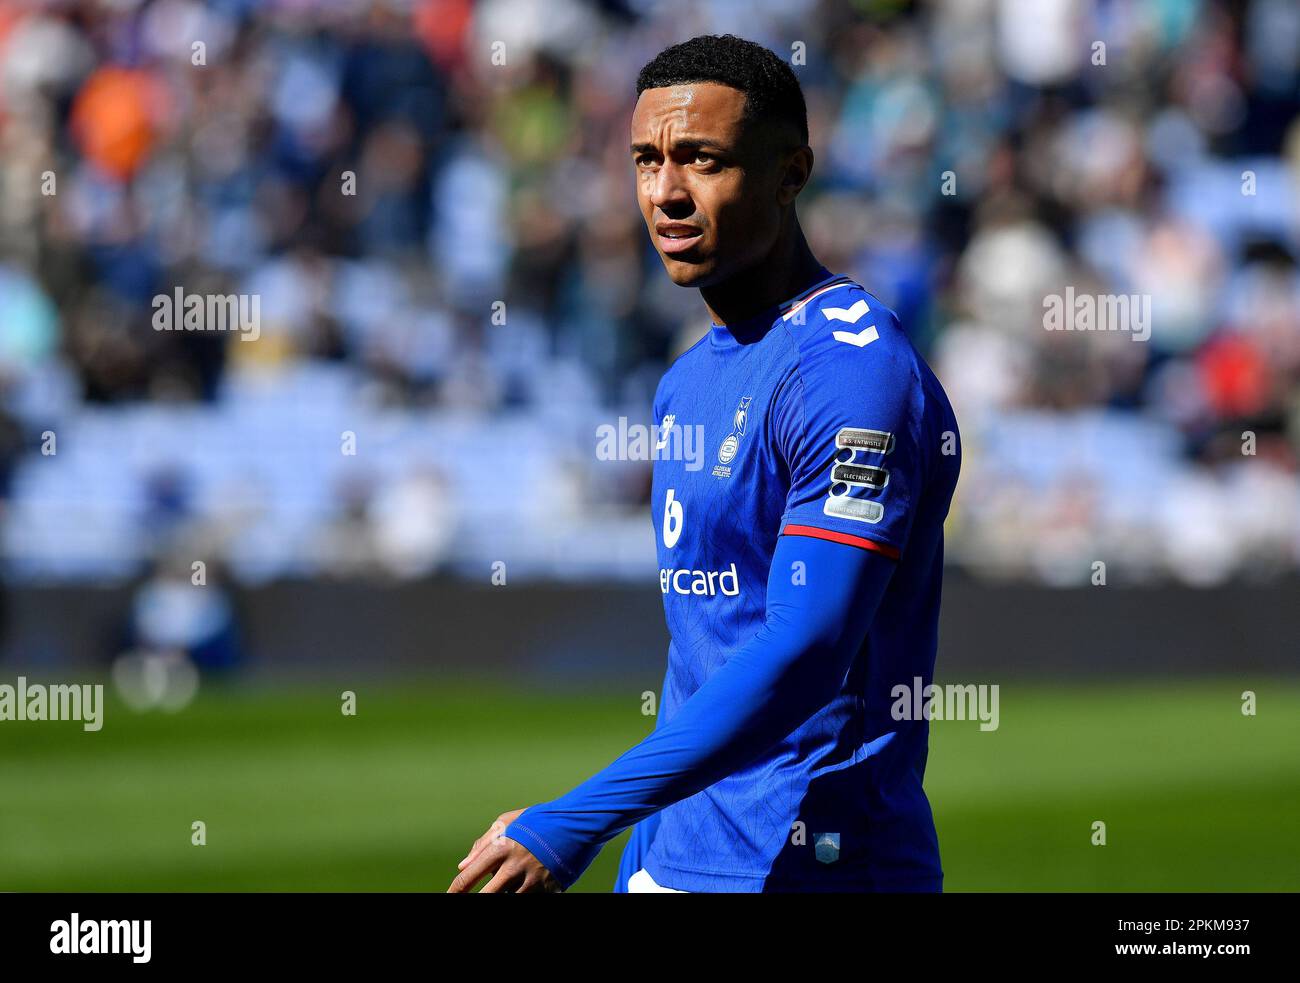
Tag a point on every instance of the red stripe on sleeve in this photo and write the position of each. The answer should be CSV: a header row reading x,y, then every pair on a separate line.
x,y
841,537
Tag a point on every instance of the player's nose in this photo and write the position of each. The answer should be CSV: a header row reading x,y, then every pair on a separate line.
x,y
669,194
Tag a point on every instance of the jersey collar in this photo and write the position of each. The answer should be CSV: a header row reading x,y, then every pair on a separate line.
x,y
751,329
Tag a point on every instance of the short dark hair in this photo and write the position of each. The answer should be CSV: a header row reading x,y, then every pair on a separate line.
x,y
771,89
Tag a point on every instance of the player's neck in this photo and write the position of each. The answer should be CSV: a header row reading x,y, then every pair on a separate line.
x,y
784,273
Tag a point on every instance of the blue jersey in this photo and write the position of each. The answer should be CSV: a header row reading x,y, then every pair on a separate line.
x,y
800,564
821,420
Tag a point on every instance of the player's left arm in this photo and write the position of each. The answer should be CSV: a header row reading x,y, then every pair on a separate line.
x,y
852,427
821,597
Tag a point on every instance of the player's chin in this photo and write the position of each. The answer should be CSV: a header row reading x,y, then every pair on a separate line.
x,y
688,271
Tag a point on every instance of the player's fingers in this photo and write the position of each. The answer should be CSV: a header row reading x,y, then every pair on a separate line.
x,y
476,848
508,880
538,884
495,830
482,865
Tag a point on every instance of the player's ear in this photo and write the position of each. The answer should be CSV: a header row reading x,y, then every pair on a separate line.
x,y
797,171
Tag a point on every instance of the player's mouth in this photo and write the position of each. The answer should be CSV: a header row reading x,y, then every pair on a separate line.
x,y
675,237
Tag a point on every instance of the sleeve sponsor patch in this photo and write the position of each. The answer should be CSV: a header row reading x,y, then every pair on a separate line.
x,y
871,441
850,474
846,507
860,475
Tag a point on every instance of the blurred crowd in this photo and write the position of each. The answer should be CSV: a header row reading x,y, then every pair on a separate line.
x,y
433,201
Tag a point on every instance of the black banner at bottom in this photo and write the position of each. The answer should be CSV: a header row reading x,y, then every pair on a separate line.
x,y
148,932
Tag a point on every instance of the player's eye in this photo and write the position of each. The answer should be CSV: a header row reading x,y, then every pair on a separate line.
x,y
703,158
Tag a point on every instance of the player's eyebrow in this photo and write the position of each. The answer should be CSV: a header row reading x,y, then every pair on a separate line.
x,y
680,145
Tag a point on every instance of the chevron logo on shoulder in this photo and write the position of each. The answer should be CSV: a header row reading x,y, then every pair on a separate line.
x,y
862,339
851,315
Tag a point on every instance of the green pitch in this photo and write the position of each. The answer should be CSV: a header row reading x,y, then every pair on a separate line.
x,y
295,796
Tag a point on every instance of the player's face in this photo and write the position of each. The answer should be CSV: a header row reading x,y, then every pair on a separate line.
x,y
708,191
